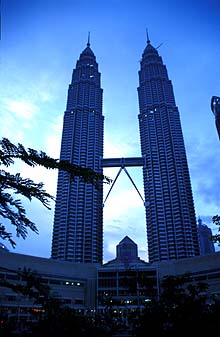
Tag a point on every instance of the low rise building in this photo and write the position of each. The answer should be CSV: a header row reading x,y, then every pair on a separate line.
x,y
73,283
127,282
123,284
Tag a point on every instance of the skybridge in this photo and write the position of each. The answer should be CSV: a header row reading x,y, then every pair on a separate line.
x,y
123,163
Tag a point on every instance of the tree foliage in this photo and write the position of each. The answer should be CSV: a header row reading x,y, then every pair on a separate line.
x,y
183,307
11,208
216,221
57,318
30,285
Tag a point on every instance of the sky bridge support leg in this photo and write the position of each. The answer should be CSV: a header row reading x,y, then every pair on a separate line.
x,y
123,168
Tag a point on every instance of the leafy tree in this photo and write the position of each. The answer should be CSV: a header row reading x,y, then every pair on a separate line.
x,y
57,319
181,308
13,184
216,221
30,284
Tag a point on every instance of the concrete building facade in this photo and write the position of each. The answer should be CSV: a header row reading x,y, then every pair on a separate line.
x,y
72,283
125,283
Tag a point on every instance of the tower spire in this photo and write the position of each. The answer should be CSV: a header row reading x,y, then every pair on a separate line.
x,y
88,43
148,40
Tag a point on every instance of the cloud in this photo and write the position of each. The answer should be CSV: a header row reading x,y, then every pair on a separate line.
x,y
17,117
132,226
21,109
124,214
53,139
122,201
204,165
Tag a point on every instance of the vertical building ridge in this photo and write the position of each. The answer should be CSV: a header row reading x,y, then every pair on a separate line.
x,y
170,215
78,218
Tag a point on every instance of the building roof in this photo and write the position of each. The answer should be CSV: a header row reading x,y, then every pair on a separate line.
x,y
126,255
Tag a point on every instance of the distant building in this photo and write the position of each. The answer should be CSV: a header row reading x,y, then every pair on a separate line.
x,y
215,106
205,234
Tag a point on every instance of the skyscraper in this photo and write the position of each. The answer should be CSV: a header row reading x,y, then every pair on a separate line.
x,y
205,242
78,218
215,106
170,215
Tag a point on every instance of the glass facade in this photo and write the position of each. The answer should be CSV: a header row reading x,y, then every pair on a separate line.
x,y
78,219
170,215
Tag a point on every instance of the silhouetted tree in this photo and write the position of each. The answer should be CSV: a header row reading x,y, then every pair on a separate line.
x,y
216,221
182,308
57,319
13,184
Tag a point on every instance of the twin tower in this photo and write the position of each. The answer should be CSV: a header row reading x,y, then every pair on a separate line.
x,y
170,214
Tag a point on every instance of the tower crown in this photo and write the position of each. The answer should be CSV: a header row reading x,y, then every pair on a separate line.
x,y
87,52
149,50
